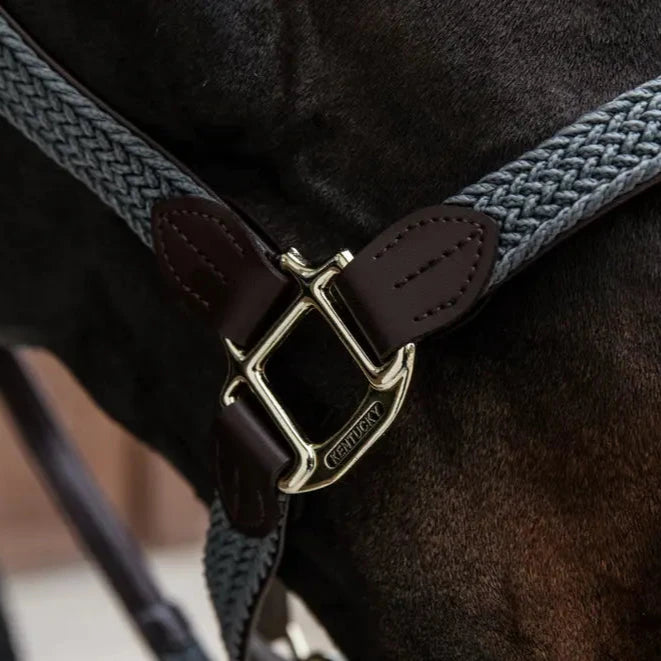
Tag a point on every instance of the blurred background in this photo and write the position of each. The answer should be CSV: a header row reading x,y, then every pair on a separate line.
x,y
58,606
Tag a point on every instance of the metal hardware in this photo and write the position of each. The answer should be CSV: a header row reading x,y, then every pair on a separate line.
x,y
297,642
300,649
321,464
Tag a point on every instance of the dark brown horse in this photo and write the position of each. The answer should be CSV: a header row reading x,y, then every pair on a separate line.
x,y
513,512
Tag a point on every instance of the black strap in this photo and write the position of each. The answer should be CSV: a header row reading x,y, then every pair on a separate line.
x,y
7,652
162,625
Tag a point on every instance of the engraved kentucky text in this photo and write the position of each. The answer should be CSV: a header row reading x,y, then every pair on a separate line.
x,y
351,440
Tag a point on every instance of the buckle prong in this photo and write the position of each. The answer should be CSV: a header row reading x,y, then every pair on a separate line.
x,y
320,464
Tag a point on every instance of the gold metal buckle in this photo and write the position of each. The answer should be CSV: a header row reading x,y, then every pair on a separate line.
x,y
321,464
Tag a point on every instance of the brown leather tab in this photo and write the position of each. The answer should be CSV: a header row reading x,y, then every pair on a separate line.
x,y
211,257
222,269
420,275
250,458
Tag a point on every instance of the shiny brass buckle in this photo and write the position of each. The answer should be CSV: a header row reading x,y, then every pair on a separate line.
x,y
321,464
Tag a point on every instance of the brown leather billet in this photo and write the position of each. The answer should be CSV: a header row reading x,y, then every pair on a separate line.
x,y
216,263
250,458
219,266
422,274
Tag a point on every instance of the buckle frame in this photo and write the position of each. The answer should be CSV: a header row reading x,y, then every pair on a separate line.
x,y
320,464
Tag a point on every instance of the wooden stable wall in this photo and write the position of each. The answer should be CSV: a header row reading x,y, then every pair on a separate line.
x,y
156,504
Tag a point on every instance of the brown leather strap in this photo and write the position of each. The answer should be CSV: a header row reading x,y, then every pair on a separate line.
x,y
250,458
212,258
223,270
421,275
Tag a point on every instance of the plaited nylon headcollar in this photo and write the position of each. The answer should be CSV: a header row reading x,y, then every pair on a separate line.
x,y
536,200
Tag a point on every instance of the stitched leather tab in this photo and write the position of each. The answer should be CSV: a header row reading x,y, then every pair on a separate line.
x,y
210,256
420,275
250,457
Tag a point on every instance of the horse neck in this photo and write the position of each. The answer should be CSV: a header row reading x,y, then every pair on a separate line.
x,y
513,512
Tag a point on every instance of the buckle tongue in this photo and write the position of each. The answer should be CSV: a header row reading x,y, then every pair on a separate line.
x,y
321,464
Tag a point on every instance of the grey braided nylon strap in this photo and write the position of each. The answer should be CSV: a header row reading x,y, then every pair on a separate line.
x,y
236,570
586,166
604,155
124,171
